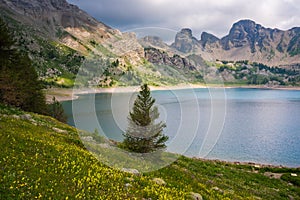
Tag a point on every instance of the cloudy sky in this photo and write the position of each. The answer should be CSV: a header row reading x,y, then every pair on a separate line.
x,y
213,16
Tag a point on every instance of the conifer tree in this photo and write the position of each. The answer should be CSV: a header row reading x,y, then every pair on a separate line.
x,y
19,84
143,134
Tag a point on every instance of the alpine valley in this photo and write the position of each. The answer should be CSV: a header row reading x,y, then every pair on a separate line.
x,y
63,41
47,45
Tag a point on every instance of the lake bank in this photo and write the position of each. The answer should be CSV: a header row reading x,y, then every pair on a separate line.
x,y
67,94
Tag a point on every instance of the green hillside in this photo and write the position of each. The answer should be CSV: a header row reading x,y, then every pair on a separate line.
x,y
42,158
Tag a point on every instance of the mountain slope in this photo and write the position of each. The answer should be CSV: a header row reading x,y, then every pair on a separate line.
x,y
59,36
64,22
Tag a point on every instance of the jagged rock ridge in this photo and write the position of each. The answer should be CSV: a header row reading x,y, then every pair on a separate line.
x,y
246,41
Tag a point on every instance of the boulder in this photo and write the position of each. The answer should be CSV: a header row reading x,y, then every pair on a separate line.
x,y
195,196
59,130
159,181
131,171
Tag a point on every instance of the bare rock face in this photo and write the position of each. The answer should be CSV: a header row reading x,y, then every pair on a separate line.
x,y
294,44
259,38
248,33
207,38
265,44
159,181
159,57
185,42
153,41
128,48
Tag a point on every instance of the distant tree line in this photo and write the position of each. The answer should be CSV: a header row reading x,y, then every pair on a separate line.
x,y
258,73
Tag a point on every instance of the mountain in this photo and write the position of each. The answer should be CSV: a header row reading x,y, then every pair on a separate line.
x,y
55,14
208,39
266,45
43,25
59,20
246,41
64,41
243,56
259,39
185,42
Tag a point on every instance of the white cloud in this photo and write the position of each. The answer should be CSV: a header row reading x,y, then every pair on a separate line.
x,y
213,16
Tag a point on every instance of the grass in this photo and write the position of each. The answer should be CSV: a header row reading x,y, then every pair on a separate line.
x,y
66,80
42,158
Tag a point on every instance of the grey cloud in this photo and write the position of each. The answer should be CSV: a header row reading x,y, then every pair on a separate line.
x,y
212,16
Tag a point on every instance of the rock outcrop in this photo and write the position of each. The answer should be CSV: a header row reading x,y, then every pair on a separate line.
x,y
153,41
185,42
207,38
160,57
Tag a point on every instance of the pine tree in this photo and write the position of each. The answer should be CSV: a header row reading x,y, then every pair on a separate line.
x,y
143,134
19,84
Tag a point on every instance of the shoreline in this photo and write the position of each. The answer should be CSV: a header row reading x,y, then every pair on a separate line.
x,y
256,165
68,94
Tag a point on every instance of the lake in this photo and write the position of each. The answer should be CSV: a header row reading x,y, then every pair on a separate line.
x,y
235,124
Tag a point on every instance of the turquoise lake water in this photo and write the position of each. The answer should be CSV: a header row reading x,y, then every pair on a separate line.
x,y
249,125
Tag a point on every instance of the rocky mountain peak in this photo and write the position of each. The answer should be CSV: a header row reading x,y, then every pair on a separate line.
x,y
185,42
246,24
247,33
207,38
187,32
244,28
246,40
